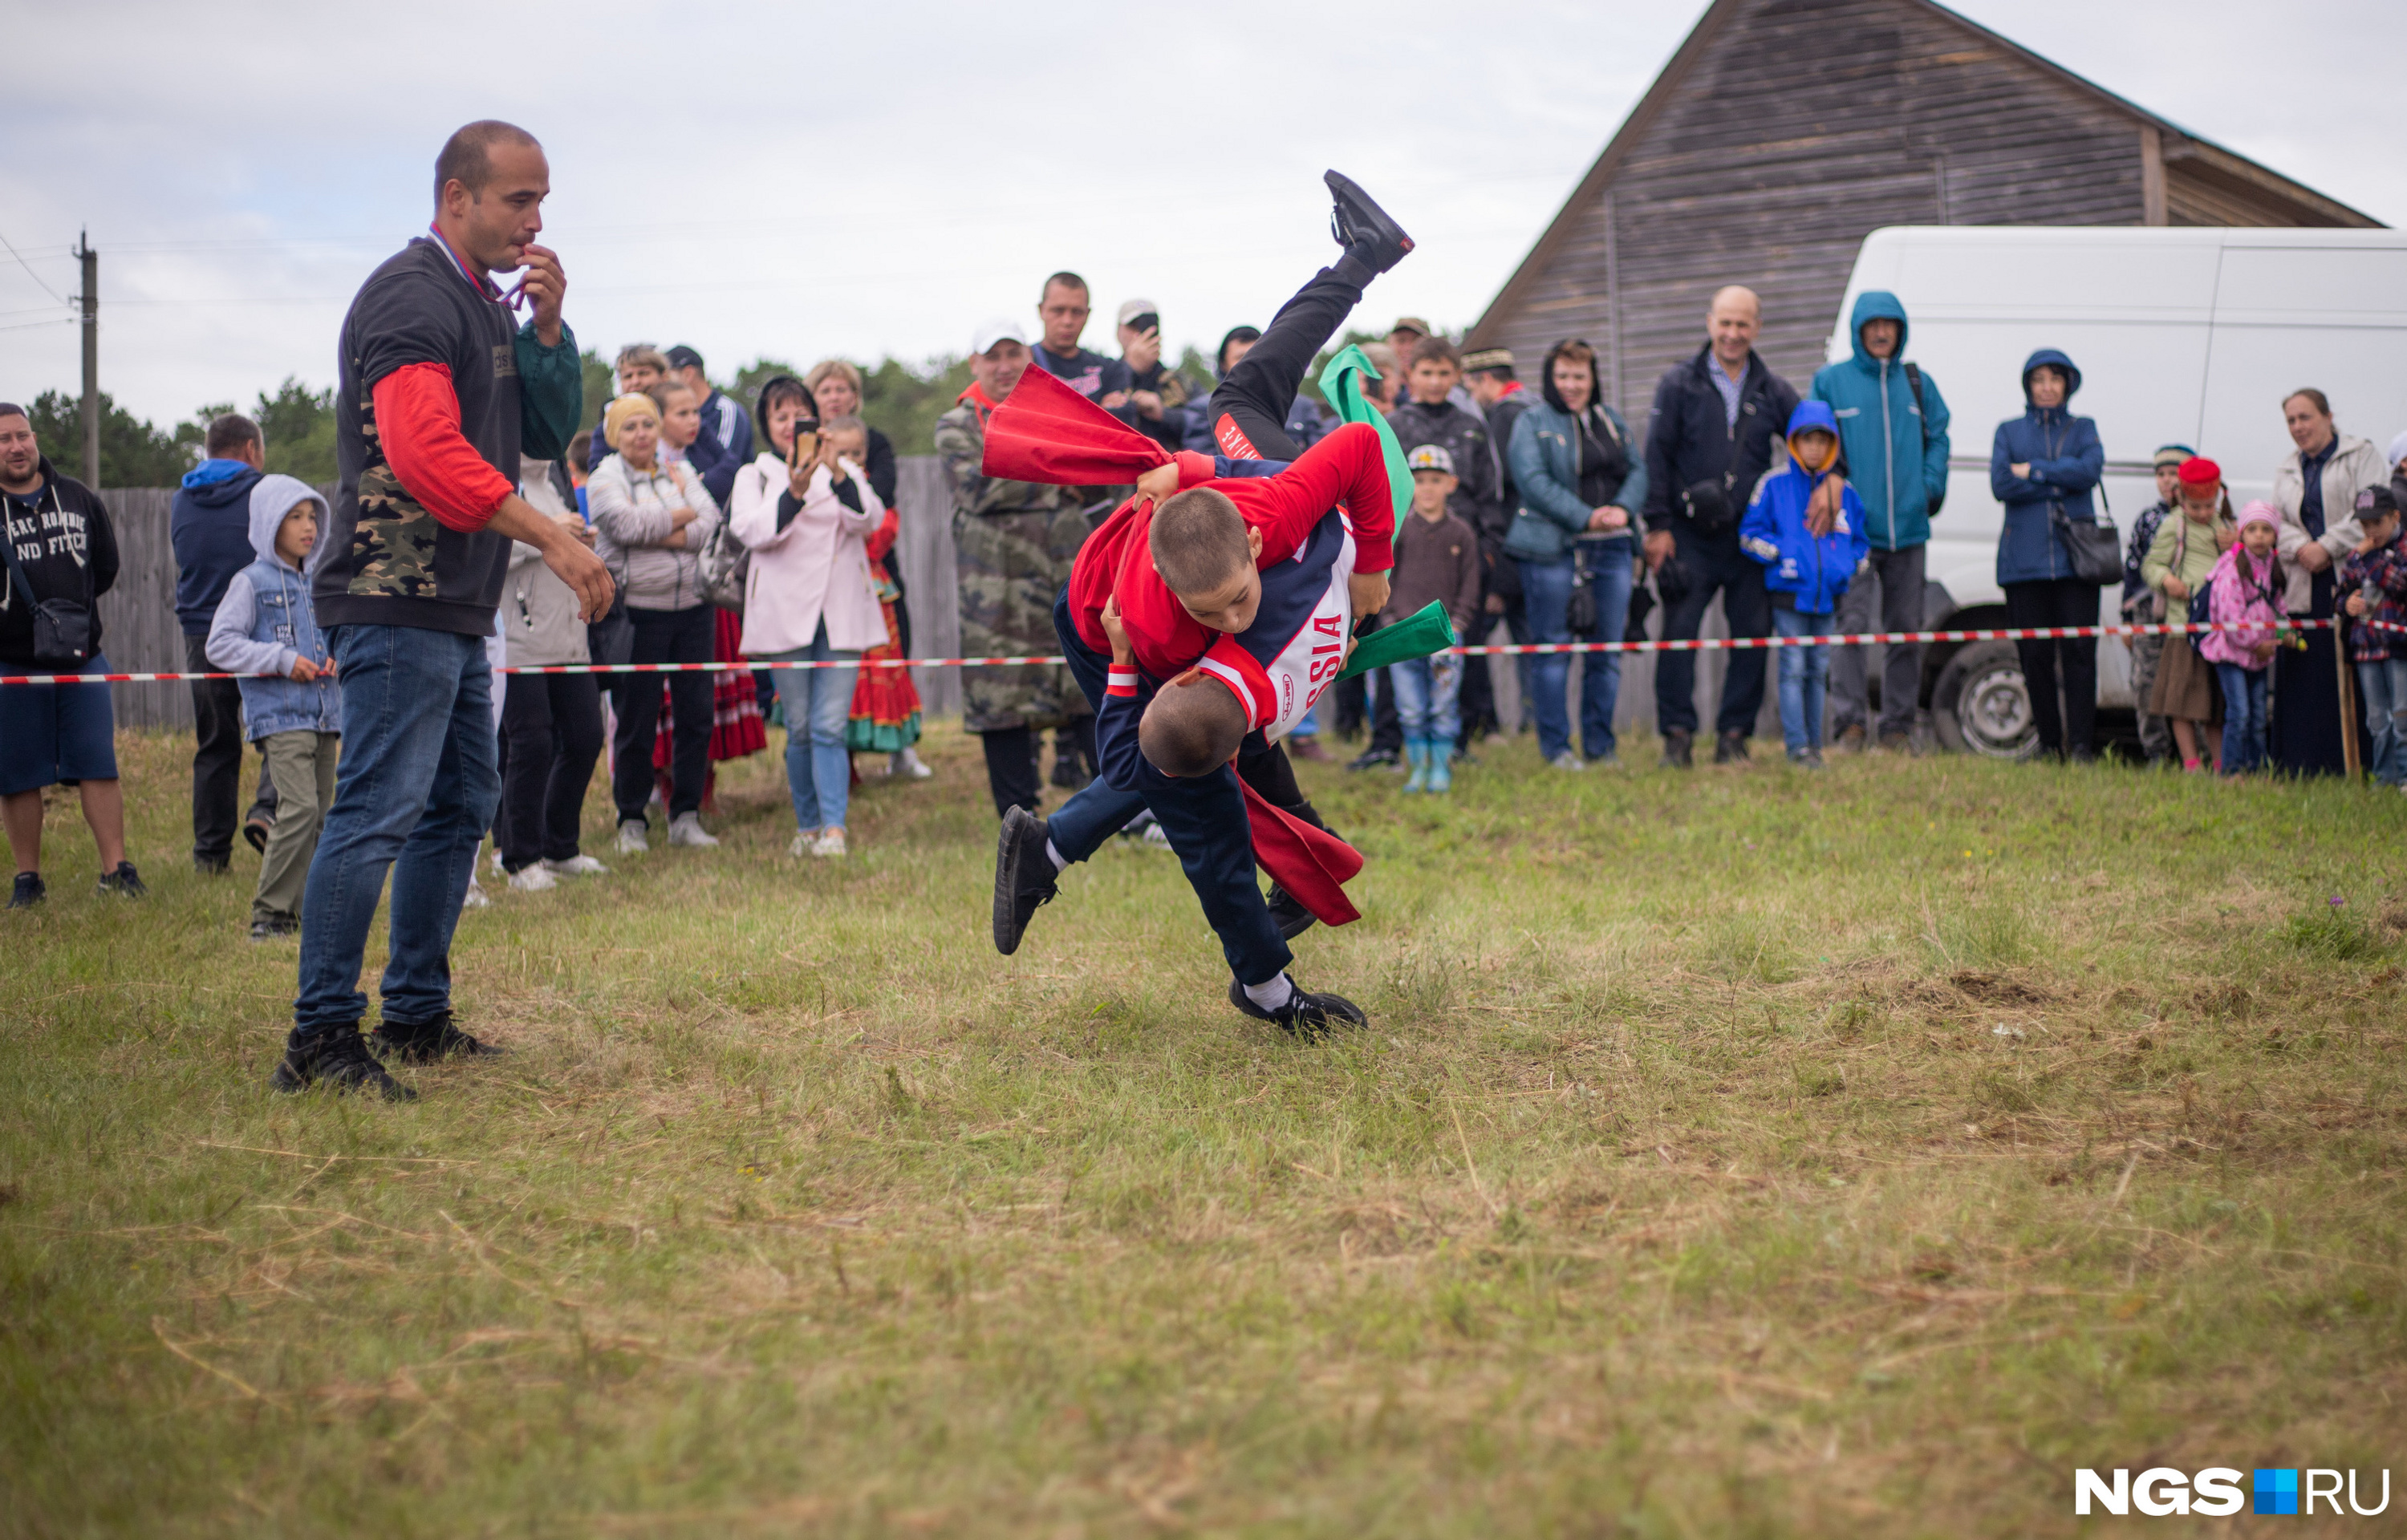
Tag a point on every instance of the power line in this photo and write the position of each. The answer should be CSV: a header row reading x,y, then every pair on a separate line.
x,y
31,273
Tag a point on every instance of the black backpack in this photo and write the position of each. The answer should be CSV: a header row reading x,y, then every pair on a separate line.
x,y
1913,382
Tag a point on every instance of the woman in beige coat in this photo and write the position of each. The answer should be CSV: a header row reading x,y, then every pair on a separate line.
x,y
2315,491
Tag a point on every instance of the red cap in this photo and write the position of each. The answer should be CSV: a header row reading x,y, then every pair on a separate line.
x,y
2199,470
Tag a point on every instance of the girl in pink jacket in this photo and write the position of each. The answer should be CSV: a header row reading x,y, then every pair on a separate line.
x,y
2245,596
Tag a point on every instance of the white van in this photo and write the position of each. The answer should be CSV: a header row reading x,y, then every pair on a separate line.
x,y
2182,335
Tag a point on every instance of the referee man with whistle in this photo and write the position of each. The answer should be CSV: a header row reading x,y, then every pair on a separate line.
x,y
441,391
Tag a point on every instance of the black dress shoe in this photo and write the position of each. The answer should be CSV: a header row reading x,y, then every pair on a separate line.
x,y
1305,1016
1023,877
256,828
1365,230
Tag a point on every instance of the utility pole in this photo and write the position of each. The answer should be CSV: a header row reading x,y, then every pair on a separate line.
x,y
91,299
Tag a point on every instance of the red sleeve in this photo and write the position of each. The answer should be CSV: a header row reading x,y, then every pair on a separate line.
x,y
881,540
418,422
1348,467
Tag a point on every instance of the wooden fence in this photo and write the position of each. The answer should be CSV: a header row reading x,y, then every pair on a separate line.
x,y
142,634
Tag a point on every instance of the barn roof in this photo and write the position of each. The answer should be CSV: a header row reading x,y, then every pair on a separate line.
x,y
2199,158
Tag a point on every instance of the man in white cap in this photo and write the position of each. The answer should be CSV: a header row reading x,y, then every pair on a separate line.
x,y
1014,542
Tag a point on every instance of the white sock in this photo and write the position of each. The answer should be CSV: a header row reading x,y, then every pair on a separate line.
x,y
1272,995
1061,862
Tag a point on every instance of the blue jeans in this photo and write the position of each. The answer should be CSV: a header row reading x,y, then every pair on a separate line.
x,y
2384,683
1427,690
2243,717
414,793
817,704
1545,597
1805,672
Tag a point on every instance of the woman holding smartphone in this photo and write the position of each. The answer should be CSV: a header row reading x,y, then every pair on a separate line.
x,y
805,509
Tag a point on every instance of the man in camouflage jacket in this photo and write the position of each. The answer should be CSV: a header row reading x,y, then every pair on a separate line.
x,y
1014,542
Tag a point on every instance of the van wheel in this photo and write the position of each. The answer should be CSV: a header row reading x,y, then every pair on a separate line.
x,y
1979,705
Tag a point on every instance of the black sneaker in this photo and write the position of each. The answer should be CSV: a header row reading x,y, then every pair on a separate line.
x,y
124,881
1305,1016
1289,913
29,891
256,828
1730,748
425,1042
1364,228
339,1059
1023,877
1678,749
269,930
1372,758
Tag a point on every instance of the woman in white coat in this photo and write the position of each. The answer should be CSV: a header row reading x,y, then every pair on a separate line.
x,y
808,597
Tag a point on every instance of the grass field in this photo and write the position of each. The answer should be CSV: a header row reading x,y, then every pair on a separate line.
x,y
1731,1153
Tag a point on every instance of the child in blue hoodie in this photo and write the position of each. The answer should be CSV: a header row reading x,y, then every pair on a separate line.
x,y
266,626
1806,575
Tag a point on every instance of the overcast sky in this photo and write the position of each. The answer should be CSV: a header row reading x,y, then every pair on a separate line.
x,y
879,178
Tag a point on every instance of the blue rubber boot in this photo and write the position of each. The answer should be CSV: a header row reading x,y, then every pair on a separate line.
x,y
1417,752
1440,752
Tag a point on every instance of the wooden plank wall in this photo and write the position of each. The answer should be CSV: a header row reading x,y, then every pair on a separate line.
x,y
140,633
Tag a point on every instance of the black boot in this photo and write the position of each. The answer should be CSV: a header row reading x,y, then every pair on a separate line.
x,y
1305,1016
424,1043
1370,237
1023,877
1289,913
1730,748
340,1060
1677,748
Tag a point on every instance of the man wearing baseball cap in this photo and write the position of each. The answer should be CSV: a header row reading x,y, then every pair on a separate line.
x,y
1013,543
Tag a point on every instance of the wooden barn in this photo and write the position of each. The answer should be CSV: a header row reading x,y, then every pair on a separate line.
x,y
1785,130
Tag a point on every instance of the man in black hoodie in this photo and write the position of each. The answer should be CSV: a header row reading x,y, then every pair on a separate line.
x,y
209,527
60,556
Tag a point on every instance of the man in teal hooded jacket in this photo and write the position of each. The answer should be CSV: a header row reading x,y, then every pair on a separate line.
x,y
1893,431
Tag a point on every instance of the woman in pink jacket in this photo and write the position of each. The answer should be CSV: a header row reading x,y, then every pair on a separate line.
x,y
808,597
2244,594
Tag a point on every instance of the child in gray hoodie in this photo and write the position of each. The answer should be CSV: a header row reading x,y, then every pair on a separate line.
x,y
266,626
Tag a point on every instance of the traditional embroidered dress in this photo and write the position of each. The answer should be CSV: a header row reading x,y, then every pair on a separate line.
x,y
885,701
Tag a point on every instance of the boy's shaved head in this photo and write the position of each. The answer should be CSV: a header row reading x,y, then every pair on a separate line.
x,y
1192,728
1198,541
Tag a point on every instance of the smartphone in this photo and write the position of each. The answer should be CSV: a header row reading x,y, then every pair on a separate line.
x,y
806,444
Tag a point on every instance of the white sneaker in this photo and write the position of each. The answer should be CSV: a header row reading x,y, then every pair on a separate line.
x,y
534,879
634,838
497,861
577,865
1156,838
475,898
686,830
907,762
829,843
803,840
1567,761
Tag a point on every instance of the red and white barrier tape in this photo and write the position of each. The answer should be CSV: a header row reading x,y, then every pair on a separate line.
x,y
1502,650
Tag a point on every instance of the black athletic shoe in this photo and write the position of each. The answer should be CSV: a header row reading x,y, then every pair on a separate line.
x,y
124,881
1290,915
256,828
1305,1016
1730,748
340,1060
269,930
426,1043
1023,877
1364,228
1372,758
29,891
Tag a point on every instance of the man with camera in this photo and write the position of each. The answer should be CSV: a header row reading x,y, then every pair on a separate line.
x,y
1714,432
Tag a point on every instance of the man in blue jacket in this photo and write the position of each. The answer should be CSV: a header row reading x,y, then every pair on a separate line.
x,y
209,527
1893,433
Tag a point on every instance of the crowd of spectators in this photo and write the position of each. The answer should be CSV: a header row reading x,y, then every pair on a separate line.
x,y
766,532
